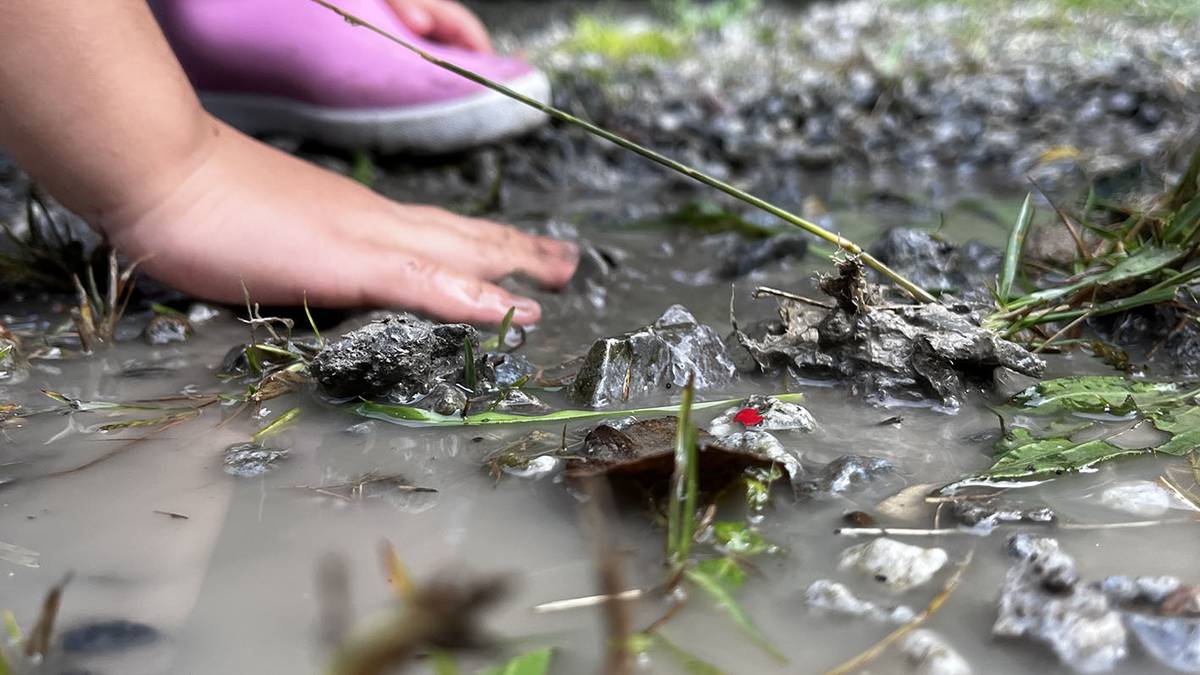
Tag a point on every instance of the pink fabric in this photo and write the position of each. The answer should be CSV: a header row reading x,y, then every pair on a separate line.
x,y
300,50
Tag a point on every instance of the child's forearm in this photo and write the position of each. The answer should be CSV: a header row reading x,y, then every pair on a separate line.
x,y
94,105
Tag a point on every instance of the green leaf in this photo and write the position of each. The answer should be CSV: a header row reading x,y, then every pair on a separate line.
x,y
726,571
740,539
469,365
5,668
403,414
1184,427
681,514
496,344
530,663
1012,252
1094,394
276,425
363,170
443,662
1022,455
11,626
716,589
690,662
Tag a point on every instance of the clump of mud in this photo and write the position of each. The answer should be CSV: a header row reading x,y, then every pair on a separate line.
x,y
931,351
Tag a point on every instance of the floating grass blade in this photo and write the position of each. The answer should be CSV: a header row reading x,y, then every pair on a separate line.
x,y
311,323
791,218
1012,252
404,414
276,424
536,662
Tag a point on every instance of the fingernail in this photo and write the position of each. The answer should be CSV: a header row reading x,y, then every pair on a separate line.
x,y
569,251
527,310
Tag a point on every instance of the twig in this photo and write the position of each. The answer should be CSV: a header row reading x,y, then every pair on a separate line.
x,y
836,239
587,601
762,291
902,531
1183,495
934,605
1125,525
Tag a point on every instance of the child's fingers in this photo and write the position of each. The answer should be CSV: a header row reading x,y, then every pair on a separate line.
x,y
480,247
457,25
404,280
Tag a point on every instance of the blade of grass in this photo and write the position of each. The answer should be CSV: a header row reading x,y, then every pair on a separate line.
x,y
682,509
810,227
1012,252
401,414
725,600
311,323
496,344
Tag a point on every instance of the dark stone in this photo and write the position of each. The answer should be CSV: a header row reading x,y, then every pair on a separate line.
x,y
939,266
400,356
444,399
747,256
99,637
165,329
651,360
986,514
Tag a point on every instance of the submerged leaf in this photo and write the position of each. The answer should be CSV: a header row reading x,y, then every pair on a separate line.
x,y
530,663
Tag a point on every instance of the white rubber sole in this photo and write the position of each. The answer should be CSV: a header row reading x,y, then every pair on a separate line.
x,y
429,129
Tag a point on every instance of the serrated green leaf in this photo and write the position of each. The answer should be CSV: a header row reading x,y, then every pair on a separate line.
x,y
716,589
1184,427
1022,455
1094,394
536,662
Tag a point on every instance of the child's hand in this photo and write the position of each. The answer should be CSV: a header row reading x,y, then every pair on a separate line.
x,y
444,21
250,213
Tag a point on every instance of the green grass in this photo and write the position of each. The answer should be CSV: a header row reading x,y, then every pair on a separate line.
x,y
1150,10
619,42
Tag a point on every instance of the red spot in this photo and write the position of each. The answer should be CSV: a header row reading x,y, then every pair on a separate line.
x,y
749,417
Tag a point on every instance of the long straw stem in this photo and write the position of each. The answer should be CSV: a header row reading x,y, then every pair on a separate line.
x,y
791,218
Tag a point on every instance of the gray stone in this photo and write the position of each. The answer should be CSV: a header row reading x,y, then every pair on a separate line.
x,y
776,416
164,329
651,360
830,596
1141,498
847,474
251,459
895,565
931,655
1042,599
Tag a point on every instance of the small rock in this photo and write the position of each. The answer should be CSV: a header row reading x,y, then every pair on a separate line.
x,y
164,329
200,313
653,359
909,504
1174,641
399,356
763,443
1141,498
444,399
251,459
847,473
1042,599
830,596
770,414
898,566
931,655
983,515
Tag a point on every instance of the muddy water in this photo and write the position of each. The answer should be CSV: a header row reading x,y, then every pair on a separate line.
x,y
230,589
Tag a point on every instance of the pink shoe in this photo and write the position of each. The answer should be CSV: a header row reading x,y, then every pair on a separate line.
x,y
293,67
